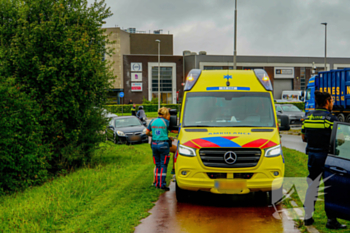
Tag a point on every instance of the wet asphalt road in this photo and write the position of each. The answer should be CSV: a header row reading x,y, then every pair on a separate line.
x,y
207,212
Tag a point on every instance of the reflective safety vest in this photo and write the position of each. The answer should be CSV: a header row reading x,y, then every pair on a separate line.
x,y
317,128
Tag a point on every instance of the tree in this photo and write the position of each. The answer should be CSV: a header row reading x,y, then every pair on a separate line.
x,y
54,50
23,157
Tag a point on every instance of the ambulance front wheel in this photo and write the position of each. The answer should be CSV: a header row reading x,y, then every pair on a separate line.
x,y
182,195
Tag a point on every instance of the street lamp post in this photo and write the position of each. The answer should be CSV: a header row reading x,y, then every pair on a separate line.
x,y
235,40
325,46
158,73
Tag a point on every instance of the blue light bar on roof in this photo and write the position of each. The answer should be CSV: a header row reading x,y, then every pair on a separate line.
x,y
192,78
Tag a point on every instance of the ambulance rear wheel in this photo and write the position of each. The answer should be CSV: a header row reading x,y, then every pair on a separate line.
x,y
182,195
341,117
348,118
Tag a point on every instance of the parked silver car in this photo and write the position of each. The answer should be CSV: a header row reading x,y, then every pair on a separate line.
x,y
294,113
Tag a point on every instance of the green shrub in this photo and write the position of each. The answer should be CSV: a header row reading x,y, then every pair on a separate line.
x,y
147,107
300,105
55,49
23,156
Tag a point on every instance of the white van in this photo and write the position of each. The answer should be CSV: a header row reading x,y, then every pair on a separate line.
x,y
293,95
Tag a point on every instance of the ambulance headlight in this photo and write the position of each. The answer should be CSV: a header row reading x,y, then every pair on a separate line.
x,y
273,151
187,151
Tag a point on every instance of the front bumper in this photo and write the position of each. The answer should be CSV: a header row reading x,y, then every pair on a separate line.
x,y
295,120
131,139
263,178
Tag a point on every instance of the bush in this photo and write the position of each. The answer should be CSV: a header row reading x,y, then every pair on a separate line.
x,y
55,50
23,156
147,107
300,105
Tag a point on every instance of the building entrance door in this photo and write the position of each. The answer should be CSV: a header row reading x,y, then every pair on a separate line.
x,y
280,85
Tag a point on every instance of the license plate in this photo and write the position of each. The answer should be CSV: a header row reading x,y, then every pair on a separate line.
x,y
134,138
231,185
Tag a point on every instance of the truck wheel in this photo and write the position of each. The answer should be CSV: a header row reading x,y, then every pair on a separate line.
x,y
181,194
341,117
348,118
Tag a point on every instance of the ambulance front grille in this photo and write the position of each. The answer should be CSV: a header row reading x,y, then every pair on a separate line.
x,y
214,157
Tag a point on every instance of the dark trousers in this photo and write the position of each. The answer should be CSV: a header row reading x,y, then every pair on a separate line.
x,y
161,159
316,167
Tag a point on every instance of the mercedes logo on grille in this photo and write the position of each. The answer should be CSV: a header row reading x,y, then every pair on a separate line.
x,y
230,157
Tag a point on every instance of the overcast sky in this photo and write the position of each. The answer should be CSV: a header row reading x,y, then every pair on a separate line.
x,y
265,27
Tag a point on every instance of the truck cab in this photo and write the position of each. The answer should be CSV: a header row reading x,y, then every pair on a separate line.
x,y
310,95
228,140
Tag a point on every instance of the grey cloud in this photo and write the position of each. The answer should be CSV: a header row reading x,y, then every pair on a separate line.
x,y
265,27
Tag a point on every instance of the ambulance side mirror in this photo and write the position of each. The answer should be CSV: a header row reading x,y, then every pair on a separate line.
x,y
173,120
283,122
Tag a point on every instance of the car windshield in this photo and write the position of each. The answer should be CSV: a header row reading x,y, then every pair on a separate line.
x,y
228,109
127,122
290,108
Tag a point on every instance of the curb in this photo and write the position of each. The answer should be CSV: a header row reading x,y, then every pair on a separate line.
x,y
297,211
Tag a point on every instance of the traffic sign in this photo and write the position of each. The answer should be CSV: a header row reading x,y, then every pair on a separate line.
x,y
121,94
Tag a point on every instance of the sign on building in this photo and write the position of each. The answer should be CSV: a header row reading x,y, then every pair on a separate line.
x,y
136,77
136,86
136,67
284,72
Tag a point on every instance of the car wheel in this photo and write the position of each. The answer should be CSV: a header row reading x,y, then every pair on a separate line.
x,y
115,140
182,195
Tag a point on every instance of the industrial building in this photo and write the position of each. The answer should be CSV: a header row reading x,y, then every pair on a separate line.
x,y
136,66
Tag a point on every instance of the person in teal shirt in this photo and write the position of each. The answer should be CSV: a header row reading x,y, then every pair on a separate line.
x,y
160,146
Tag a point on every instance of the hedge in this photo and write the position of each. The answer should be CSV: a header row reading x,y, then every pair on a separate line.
x,y
147,107
154,107
300,105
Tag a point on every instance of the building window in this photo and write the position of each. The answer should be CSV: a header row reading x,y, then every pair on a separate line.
x,y
166,74
213,67
302,78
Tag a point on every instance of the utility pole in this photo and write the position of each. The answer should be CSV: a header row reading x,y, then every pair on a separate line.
x,y
325,46
158,41
235,40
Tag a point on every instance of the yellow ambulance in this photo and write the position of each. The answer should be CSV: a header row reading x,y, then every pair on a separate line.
x,y
228,140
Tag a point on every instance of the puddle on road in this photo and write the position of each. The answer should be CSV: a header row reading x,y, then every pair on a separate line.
x,y
209,212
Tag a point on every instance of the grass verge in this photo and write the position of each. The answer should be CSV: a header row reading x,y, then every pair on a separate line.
x,y
296,166
113,194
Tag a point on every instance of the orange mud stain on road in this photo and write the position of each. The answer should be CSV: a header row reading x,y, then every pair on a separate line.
x,y
211,213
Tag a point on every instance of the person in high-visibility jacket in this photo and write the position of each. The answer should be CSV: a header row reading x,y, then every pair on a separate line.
x,y
316,131
160,146
133,110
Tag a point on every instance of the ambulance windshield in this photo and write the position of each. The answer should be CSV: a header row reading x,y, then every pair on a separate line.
x,y
228,109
